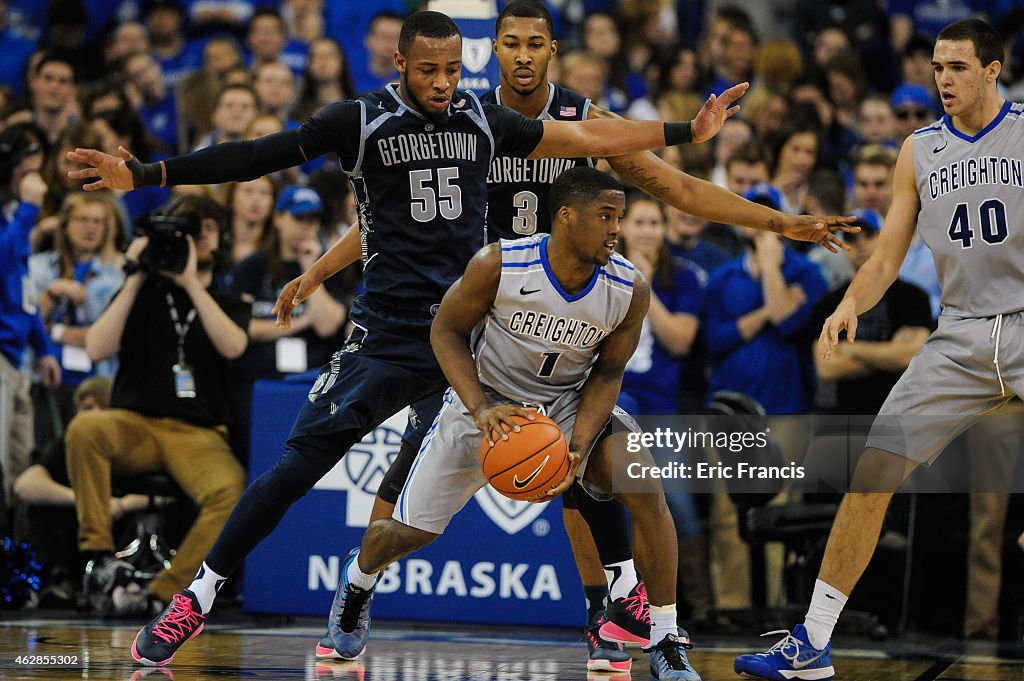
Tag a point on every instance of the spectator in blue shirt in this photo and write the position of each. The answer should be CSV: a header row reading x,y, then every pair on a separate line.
x,y
21,194
15,51
268,42
156,103
177,56
755,314
377,67
351,23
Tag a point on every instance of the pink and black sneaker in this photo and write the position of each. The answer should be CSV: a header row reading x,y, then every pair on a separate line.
x,y
157,642
628,620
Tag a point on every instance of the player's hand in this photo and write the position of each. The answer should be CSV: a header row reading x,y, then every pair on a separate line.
x,y
495,420
574,465
819,229
113,172
293,293
712,115
845,317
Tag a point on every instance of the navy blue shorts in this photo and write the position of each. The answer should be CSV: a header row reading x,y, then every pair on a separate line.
x,y
385,365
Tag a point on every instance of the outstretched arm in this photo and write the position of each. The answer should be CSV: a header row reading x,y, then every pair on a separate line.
x,y
698,197
463,306
613,137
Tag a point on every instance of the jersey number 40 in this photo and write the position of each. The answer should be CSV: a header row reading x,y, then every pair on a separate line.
x,y
992,220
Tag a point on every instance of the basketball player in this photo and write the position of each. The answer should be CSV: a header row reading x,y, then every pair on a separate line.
x,y
517,206
959,182
421,149
523,306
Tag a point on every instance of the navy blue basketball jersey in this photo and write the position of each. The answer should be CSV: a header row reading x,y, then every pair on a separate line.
x,y
518,188
420,184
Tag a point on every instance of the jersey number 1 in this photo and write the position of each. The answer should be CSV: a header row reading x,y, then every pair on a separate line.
x,y
426,202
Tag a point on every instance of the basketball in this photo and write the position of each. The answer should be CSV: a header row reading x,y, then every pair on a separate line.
x,y
529,462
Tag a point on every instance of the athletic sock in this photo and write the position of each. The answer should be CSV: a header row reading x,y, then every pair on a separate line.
x,y
205,586
357,577
663,622
597,600
827,604
621,578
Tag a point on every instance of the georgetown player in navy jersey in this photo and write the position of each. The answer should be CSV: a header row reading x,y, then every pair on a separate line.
x,y
498,359
960,183
418,154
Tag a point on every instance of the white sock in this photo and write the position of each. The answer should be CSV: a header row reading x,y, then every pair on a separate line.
x,y
663,622
621,579
827,604
358,578
205,586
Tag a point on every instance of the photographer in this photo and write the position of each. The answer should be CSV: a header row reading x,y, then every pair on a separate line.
x,y
174,335
21,194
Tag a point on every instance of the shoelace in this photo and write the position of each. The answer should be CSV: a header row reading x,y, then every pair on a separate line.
x,y
353,607
179,622
637,605
781,646
670,650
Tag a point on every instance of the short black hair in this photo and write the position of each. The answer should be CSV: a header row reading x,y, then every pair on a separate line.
x,y
525,9
428,24
268,11
988,43
579,185
57,55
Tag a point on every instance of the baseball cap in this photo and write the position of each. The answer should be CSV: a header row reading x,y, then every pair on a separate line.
x,y
912,94
299,200
767,194
868,219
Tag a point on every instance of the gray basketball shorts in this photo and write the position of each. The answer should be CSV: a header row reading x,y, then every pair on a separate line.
x,y
951,383
447,472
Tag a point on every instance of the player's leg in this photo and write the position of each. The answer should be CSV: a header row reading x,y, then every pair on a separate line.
x,y
949,376
421,416
656,551
444,476
352,395
599,536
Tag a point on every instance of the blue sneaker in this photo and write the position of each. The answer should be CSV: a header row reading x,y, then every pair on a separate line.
x,y
325,649
791,658
669,661
349,623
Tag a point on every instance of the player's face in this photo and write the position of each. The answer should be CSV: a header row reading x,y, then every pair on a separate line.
x,y
524,47
430,73
960,76
595,233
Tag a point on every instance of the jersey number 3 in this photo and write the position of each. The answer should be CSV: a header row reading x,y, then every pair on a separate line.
x,y
426,202
992,220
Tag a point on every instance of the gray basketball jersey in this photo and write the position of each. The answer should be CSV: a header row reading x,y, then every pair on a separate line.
x,y
537,341
972,200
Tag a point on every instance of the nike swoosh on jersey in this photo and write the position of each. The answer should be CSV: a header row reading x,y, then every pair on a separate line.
x,y
524,292
938,149
521,484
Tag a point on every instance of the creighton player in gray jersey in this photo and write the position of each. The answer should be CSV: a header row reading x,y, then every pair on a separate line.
x,y
959,182
548,321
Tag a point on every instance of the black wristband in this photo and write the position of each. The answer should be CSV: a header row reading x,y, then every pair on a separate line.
x,y
131,267
678,133
145,174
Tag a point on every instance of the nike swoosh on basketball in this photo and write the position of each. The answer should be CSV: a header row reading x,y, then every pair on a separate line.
x,y
521,484
938,149
524,292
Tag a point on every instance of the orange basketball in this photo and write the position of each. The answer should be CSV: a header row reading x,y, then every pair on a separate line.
x,y
529,462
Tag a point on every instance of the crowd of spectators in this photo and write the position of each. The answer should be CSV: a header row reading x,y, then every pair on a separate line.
x,y
835,87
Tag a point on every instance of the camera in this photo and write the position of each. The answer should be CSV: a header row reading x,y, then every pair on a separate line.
x,y
167,250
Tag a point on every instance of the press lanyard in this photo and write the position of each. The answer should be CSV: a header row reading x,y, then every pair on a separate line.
x,y
184,381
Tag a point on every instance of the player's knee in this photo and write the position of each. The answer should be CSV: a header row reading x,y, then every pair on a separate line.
x,y
881,472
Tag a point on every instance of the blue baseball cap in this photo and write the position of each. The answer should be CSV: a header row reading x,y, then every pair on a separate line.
x,y
912,94
767,194
299,200
868,219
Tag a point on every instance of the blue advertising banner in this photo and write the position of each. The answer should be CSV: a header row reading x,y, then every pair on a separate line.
x,y
500,561
475,19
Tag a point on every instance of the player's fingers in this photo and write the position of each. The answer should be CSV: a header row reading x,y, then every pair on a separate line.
x,y
732,111
93,186
83,173
125,154
851,328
